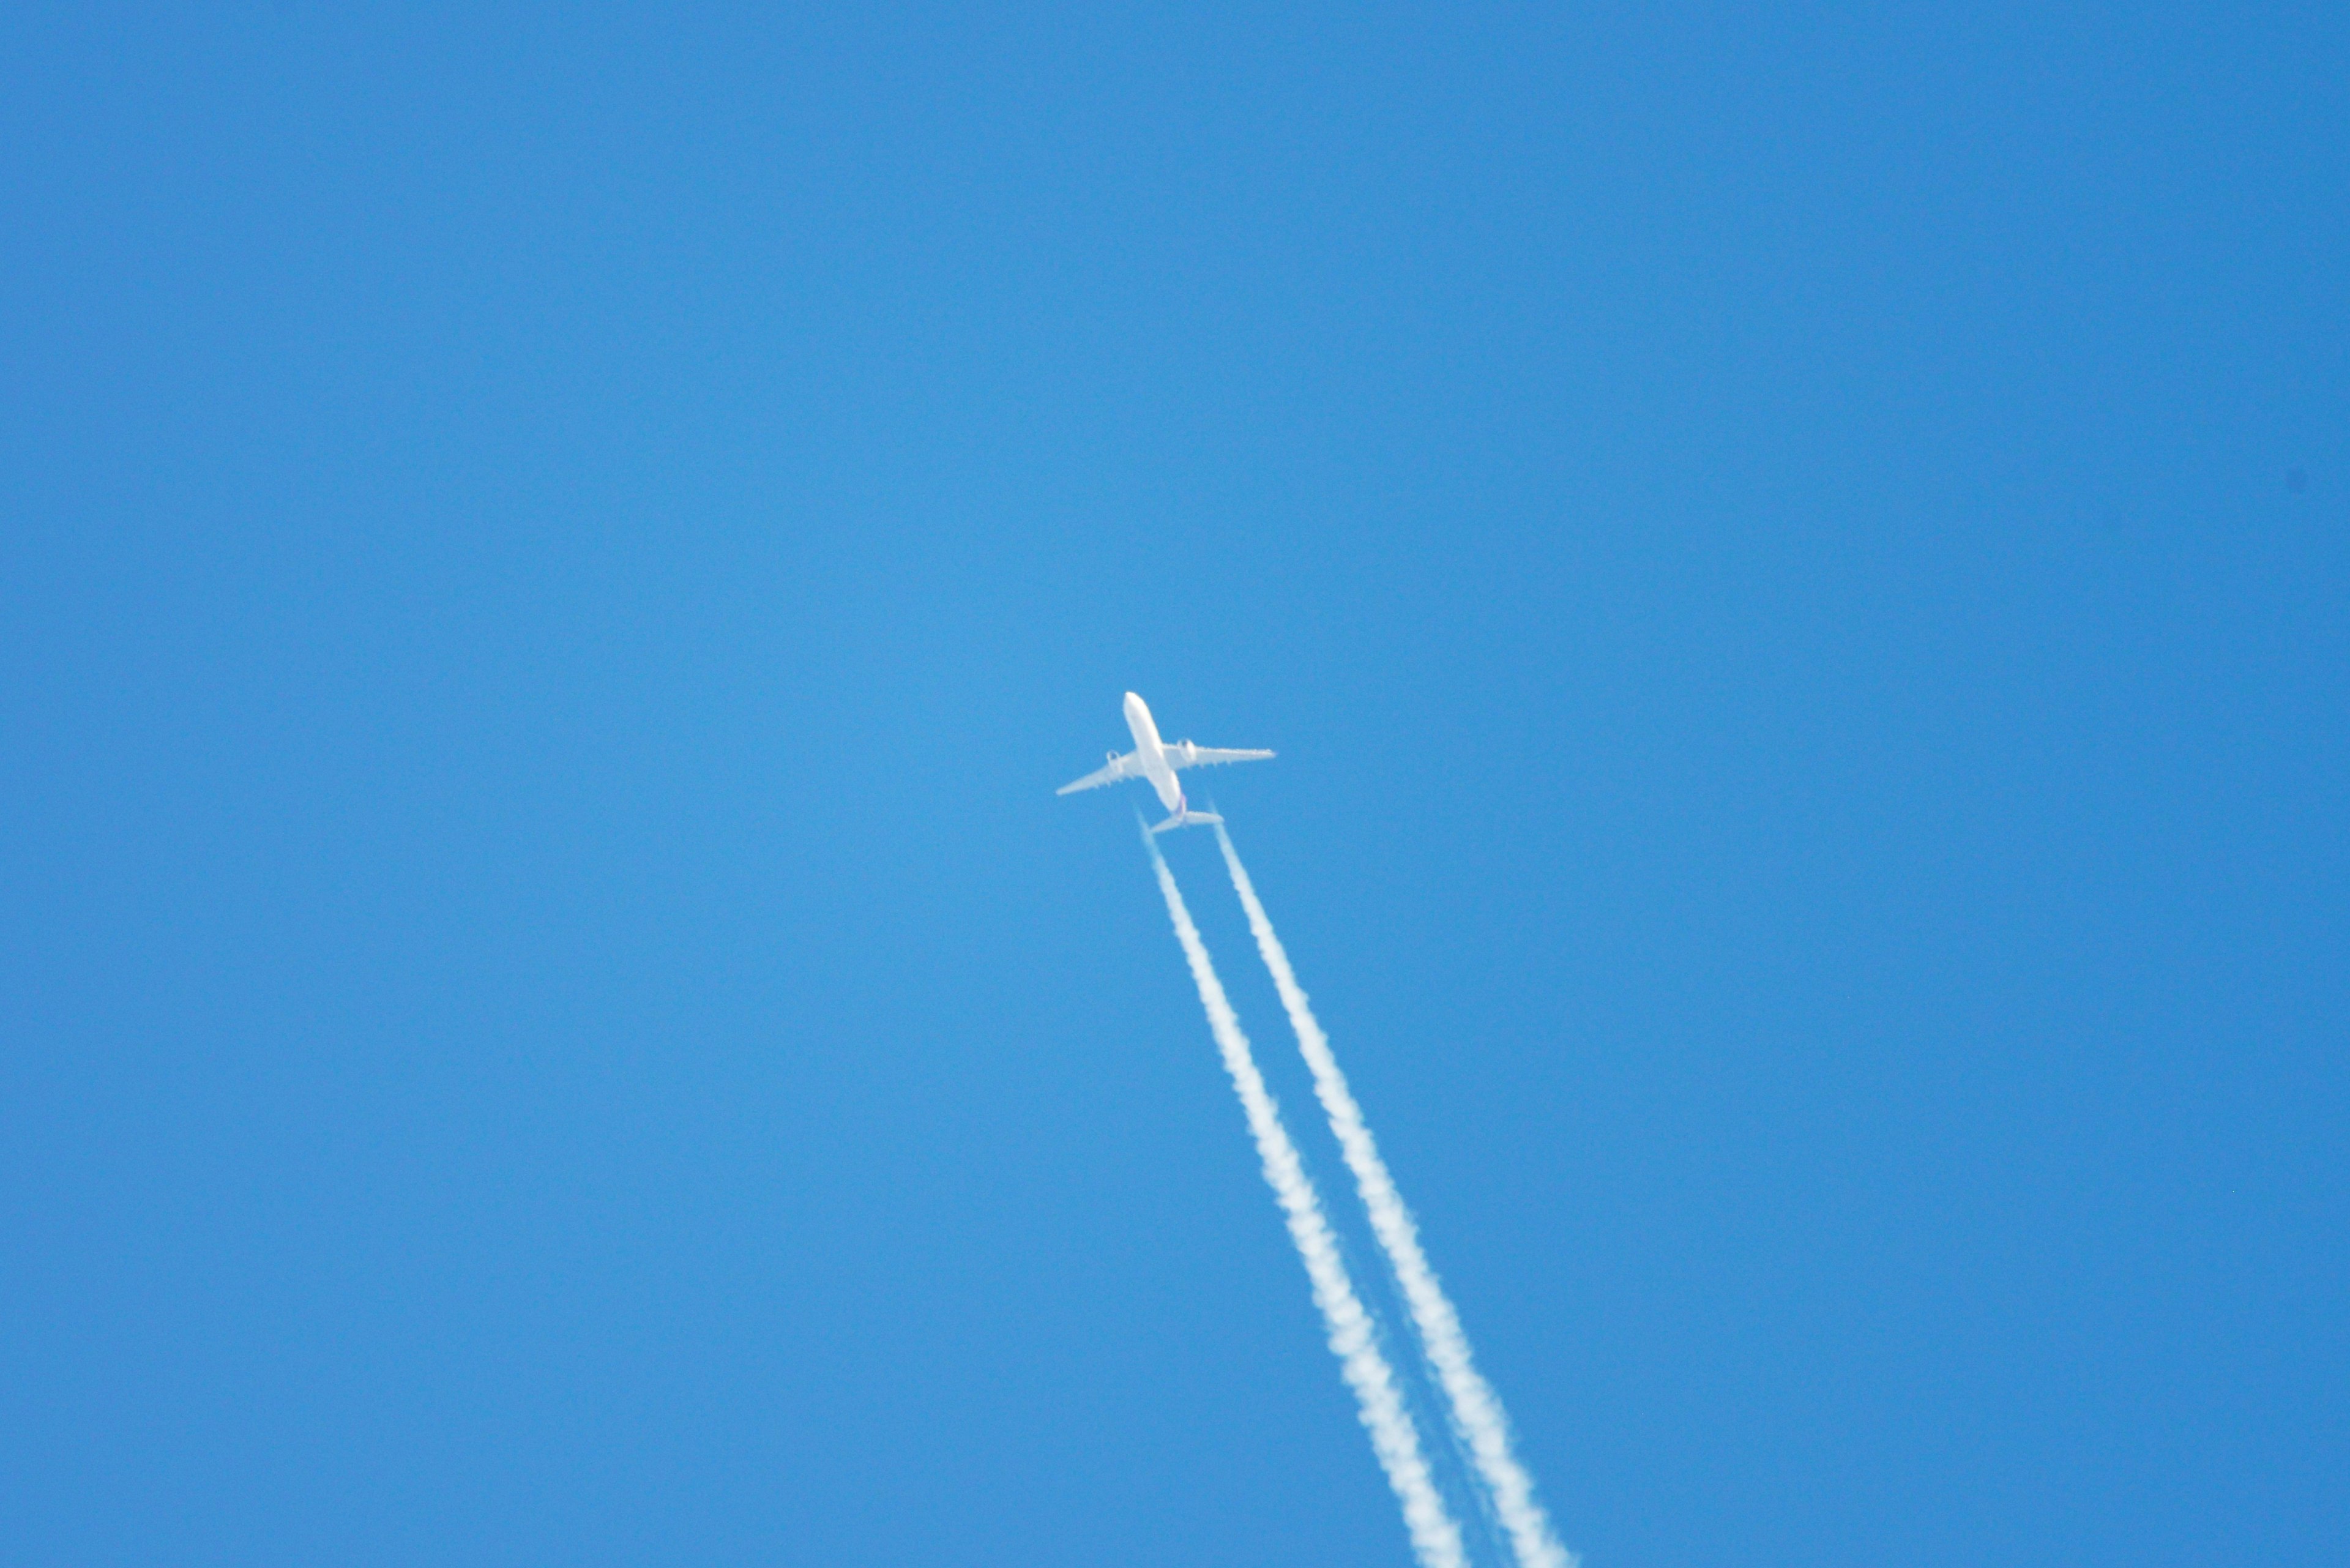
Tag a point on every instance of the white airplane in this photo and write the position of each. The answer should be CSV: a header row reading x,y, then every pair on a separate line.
x,y
1155,760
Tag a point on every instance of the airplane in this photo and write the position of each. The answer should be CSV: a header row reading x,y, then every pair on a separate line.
x,y
1155,760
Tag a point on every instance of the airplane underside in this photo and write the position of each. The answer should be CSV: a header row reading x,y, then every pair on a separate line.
x,y
1156,761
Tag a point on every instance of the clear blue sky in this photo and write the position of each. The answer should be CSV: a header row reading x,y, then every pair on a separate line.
x,y
1798,565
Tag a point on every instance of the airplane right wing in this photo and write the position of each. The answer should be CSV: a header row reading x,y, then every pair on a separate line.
x,y
1184,755
1119,768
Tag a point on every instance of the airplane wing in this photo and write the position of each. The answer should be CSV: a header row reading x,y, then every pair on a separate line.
x,y
1119,768
1184,755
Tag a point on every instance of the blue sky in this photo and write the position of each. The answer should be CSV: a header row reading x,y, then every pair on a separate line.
x,y
554,559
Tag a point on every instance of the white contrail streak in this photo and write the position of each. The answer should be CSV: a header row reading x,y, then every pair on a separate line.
x,y
1435,1539
1477,1412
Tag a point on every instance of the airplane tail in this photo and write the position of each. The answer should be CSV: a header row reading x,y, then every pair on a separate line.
x,y
1188,818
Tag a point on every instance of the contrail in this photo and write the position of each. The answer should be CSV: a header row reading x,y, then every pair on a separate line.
x,y
1435,1539
1477,1412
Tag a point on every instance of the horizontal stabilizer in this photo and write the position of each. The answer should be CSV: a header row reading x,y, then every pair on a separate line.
x,y
1188,819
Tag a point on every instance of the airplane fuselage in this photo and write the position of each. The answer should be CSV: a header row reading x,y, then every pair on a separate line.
x,y
1150,753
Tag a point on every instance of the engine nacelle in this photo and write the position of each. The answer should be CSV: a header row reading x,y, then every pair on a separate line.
x,y
1113,756
1185,749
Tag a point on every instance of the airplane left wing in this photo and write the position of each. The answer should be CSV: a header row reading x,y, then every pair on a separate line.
x,y
1184,755
1119,768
